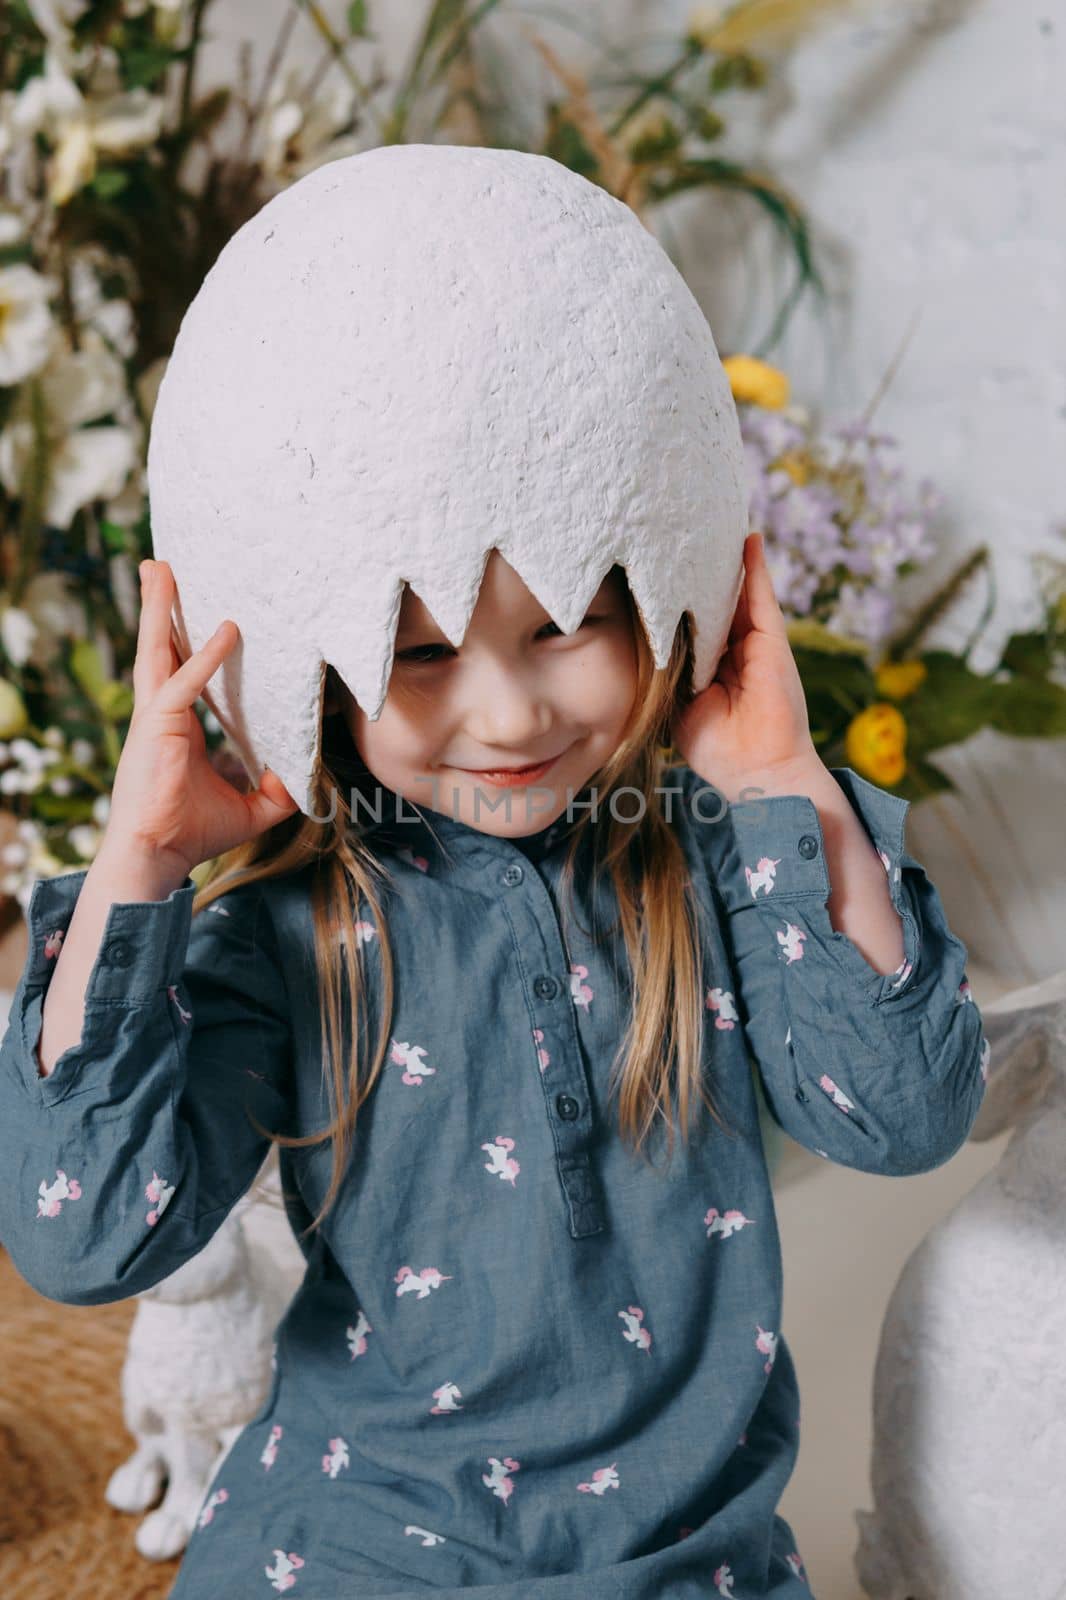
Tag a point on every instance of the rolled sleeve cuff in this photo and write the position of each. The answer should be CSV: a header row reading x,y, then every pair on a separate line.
x,y
142,947
786,830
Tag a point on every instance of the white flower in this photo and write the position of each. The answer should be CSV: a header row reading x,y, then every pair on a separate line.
x,y
53,737
85,839
112,319
12,227
17,633
54,17
50,611
704,23
114,123
47,101
298,136
101,809
85,464
26,324
83,751
62,784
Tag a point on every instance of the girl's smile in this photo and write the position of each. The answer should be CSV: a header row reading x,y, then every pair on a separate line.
x,y
517,685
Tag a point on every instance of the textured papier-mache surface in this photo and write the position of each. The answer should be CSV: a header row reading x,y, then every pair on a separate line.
x,y
409,357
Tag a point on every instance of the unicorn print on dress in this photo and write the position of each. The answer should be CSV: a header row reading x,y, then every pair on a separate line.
x,y
356,1335
892,871
543,1058
766,1344
419,1283
337,1456
159,1191
901,973
964,992
839,1098
186,1016
634,1330
603,1478
723,1579
986,1054
497,1480
424,1534
795,1565
763,877
446,1397
579,989
53,944
282,1574
791,942
409,1056
408,855
502,1163
726,1223
207,1514
364,932
721,1001
51,1196
269,1453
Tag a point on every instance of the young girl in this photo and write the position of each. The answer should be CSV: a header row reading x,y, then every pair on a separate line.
x,y
537,1350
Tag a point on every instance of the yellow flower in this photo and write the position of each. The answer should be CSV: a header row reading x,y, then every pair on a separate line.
x,y
757,383
898,679
796,465
13,716
874,744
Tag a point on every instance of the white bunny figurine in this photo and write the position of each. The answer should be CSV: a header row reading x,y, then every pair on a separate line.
x,y
199,1366
968,1467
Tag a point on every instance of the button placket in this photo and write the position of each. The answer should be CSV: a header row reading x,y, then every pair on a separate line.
x,y
567,1100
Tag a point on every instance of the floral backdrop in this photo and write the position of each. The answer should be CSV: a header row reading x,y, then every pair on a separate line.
x,y
124,177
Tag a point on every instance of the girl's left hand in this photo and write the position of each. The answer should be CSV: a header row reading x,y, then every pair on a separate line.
x,y
751,721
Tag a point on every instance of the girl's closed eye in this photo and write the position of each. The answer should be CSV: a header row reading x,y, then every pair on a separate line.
x,y
416,655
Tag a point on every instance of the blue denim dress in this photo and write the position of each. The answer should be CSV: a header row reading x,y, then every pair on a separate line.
x,y
523,1359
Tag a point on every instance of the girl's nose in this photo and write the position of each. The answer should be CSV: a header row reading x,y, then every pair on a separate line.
x,y
507,710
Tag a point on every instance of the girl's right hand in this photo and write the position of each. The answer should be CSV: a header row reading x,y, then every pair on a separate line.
x,y
169,805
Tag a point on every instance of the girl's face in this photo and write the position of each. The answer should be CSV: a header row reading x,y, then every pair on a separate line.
x,y
516,692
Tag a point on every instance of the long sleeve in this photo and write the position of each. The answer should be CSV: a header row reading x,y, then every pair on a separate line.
x,y
882,1072
121,1164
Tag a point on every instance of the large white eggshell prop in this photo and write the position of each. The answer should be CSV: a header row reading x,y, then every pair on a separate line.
x,y
408,357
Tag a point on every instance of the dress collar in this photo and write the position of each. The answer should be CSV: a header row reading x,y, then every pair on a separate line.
x,y
406,826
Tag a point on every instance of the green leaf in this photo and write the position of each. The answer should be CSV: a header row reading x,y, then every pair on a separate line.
x,y
109,182
144,65
116,537
1028,654
86,668
357,18
116,700
812,635
1028,709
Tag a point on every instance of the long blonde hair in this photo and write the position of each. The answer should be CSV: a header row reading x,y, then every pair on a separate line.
x,y
661,1052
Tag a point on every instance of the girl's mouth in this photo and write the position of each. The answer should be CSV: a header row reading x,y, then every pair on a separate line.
x,y
513,777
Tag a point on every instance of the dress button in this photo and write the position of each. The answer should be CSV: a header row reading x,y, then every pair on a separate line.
x,y
513,875
808,846
567,1107
118,953
545,988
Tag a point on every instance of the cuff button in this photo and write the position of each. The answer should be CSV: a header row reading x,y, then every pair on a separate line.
x,y
118,953
808,846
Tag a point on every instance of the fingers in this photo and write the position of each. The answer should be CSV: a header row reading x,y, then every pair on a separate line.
x,y
270,803
184,686
764,612
153,664
159,674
